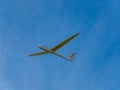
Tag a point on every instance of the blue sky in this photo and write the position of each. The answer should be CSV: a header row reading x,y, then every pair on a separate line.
x,y
25,24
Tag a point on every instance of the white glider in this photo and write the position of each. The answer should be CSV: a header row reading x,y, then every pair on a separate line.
x,y
53,50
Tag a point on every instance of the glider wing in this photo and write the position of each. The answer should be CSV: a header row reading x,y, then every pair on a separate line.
x,y
64,42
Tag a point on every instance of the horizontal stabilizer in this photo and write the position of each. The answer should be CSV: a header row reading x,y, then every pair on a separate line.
x,y
71,56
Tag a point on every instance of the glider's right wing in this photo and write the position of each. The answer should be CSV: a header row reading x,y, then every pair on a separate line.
x,y
37,54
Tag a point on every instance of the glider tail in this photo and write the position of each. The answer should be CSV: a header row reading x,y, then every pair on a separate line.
x,y
71,56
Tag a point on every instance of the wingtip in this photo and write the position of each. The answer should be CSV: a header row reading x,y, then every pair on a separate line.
x,y
28,55
78,33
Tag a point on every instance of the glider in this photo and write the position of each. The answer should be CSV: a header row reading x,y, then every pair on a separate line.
x,y
53,50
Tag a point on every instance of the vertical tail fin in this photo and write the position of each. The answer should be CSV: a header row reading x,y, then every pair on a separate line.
x,y
71,56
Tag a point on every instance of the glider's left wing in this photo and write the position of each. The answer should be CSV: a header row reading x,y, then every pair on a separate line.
x,y
64,42
37,54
